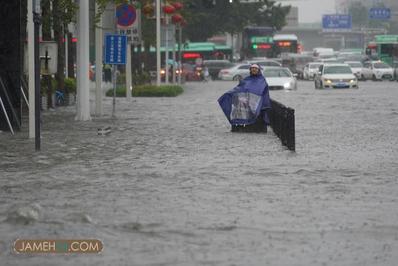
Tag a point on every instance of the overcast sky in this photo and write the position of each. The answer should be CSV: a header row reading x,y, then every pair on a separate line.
x,y
312,10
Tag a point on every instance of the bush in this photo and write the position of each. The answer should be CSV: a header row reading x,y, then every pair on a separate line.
x,y
136,78
44,85
120,92
70,85
141,79
157,91
149,91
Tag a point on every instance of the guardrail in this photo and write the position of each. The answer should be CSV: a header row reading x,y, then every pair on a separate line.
x,y
282,121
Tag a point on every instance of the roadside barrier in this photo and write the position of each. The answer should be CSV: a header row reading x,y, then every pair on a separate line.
x,y
282,121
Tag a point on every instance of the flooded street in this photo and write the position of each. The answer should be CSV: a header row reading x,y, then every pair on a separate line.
x,y
171,185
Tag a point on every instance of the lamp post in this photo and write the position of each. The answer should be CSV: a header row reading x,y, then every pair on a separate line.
x,y
158,42
36,55
167,10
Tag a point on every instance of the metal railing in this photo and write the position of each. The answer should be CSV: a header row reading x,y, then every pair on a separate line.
x,y
282,122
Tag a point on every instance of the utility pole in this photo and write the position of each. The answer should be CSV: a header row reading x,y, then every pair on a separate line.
x,y
36,56
98,64
158,42
83,64
31,52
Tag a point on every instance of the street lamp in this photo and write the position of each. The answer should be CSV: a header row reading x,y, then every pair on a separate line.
x,y
37,22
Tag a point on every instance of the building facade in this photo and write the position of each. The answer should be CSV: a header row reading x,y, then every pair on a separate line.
x,y
12,18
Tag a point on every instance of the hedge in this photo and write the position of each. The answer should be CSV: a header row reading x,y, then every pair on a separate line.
x,y
149,91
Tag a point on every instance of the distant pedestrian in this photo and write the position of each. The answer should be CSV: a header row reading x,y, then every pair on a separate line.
x,y
107,73
206,74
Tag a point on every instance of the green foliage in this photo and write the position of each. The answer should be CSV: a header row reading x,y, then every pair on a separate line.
x,y
141,79
231,17
149,91
206,18
360,16
157,91
120,92
137,79
70,85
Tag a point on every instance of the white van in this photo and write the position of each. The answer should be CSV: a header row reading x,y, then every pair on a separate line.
x,y
323,52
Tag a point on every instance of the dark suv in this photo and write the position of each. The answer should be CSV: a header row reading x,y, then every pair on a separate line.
x,y
214,66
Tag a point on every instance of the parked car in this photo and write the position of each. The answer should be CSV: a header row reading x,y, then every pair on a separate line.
x,y
265,62
214,66
279,78
356,68
310,70
323,52
236,72
335,76
376,70
296,63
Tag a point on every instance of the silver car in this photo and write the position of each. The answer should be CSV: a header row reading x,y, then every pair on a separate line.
x,y
377,70
265,63
310,70
236,72
336,76
356,68
279,78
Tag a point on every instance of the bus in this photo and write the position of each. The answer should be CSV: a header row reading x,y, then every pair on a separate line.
x,y
257,41
206,51
387,48
285,43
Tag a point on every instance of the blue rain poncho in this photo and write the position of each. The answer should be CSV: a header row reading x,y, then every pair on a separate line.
x,y
246,102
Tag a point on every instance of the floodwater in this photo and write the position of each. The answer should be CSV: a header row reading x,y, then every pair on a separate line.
x,y
171,185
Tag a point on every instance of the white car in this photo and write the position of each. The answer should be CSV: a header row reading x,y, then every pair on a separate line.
x,y
377,70
236,72
336,76
265,63
279,78
310,70
356,68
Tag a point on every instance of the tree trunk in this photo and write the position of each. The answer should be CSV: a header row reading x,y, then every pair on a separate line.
x,y
46,30
59,37
71,57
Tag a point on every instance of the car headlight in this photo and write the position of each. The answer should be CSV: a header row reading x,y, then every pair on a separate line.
x,y
287,85
352,81
328,81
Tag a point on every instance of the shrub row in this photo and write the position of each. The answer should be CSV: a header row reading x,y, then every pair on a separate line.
x,y
149,91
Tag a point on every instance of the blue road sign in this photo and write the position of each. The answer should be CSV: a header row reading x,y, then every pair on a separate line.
x,y
379,13
115,49
336,22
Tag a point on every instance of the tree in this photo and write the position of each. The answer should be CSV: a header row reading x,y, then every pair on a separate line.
x,y
224,16
56,15
360,16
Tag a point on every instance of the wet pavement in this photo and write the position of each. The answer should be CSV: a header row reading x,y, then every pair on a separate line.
x,y
171,185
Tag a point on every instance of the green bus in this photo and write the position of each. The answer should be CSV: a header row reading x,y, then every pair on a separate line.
x,y
387,48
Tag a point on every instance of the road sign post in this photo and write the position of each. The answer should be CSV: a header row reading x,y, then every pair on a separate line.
x,y
115,54
128,22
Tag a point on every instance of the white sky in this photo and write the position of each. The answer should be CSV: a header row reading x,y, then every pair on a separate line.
x,y
312,10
